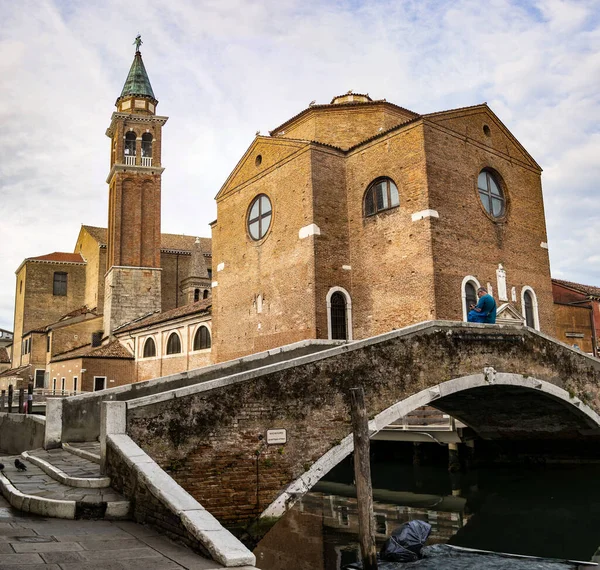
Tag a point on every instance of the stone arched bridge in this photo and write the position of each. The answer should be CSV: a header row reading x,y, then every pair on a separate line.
x,y
502,381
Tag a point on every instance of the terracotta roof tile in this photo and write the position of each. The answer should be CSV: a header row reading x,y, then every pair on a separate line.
x,y
113,349
200,307
80,311
4,358
168,242
59,256
586,289
21,372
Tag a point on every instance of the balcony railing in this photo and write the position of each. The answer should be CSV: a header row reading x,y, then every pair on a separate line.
x,y
130,160
146,161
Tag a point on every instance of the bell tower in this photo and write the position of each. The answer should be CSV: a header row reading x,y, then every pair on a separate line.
x,y
133,277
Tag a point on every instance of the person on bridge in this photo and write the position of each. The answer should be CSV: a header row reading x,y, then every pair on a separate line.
x,y
485,310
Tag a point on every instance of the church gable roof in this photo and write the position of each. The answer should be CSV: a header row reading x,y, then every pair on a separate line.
x,y
271,151
471,121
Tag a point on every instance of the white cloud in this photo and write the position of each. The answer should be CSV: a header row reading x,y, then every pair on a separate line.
x,y
224,68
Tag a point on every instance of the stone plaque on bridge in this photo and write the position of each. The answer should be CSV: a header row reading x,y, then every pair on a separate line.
x,y
276,436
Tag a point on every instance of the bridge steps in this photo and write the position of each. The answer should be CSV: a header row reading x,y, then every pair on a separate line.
x,y
58,484
68,468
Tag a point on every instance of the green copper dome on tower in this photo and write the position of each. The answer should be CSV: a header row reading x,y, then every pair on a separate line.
x,y
137,82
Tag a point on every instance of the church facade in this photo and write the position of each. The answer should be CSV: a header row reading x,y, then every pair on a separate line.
x,y
350,219
359,217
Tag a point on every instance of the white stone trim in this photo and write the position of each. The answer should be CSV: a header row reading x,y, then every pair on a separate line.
x,y
463,294
348,311
310,230
489,377
424,214
214,284
536,317
221,266
347,267
544,245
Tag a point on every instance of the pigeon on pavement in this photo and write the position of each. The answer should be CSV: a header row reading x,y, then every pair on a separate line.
x,y
20,465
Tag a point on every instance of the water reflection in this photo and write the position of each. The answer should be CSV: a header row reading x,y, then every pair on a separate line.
x,y
550,512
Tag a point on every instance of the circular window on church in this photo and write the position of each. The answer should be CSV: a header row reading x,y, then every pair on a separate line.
x,y
259,217
491,194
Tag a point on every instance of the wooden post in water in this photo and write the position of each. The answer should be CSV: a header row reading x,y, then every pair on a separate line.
x,y
2,400
362,475
10,398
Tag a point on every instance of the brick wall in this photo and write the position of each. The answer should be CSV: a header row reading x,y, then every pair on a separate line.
x,y
573,326
279,268
74,335
146,508
37,306
467,241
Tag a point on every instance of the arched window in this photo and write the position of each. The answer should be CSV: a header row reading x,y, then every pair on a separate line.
x,y
202,338
259,217
147,145
339,314
149,348
196,295
491,194
529,307
338,317
174,344
129,145
205,294
381,194
469,294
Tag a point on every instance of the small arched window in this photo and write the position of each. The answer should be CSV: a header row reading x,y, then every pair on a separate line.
x,y
528,309
202,338
469,294
149,348
491,194
339,326
174,344
196,295
130,143
205,294
382,194
146,145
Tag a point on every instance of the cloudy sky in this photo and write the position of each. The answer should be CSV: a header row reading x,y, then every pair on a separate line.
x,y
223,69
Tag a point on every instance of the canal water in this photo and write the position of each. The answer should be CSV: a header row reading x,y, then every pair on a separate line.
x,y
537,510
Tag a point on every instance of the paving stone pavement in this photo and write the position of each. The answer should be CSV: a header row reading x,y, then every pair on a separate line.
x,y
35,482
72,465
28,542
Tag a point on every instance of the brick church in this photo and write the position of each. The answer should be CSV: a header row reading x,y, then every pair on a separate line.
x,y
351,219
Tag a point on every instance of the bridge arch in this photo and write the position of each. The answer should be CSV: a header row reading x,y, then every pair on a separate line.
x,y
429,396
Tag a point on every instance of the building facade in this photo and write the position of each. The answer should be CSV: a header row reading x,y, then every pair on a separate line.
x,y
359,217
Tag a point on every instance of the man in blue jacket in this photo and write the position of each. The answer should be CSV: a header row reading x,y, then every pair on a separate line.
x,y
485,310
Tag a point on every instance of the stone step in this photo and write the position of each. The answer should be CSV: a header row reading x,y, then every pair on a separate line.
x,y
67,468
89,450
33,491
